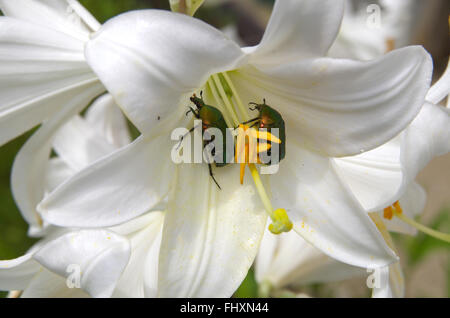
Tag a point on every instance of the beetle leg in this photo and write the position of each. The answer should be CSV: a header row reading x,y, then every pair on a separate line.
x,y
212,176
254,124
249,121
182,137
196,114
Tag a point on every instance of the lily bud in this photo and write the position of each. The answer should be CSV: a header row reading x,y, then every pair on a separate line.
x,y
188,7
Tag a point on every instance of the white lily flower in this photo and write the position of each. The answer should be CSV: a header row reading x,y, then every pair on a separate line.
x,y
43,65
152,61
368,31
284,264
44,78
88,254
385,176
287,261
78,143
357,38
120,261
116,262
400,20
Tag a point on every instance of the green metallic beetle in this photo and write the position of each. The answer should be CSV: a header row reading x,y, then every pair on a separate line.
x,y
270,118
211,117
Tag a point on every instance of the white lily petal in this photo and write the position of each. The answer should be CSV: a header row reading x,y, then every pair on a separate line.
x,y
107,118
50,285
149,59
356,40
39,70
29,168
100,255
441,88
53,14
79,144
396,280
142,267
266,254
84,15
324,211
381,176
389,280
16,274
82,141
115,189
210,236
412,203
138,224
374,176
297,262
343,107
327,270
427,137
151,274
298,29
57,172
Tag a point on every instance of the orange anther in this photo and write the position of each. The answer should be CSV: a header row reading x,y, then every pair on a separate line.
x,y
398,208
388,213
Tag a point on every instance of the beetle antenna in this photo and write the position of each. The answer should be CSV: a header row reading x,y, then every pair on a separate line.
x,y
264,101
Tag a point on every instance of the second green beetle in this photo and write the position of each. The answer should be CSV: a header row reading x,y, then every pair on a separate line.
x,y
269,118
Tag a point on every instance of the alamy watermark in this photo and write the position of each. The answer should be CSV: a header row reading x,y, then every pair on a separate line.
x,y
373,20
74,276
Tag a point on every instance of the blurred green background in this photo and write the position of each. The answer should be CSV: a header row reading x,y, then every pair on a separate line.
x,y
424,259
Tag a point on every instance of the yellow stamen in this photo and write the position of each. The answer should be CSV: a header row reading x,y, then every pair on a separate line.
x,y
388,213
390,44
263,147
398,208
398,212
242,173
243,154
264,135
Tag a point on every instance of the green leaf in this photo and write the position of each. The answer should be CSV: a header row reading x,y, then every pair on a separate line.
x,y
248,288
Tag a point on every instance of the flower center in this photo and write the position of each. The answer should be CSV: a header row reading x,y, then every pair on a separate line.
x,y
228,101
396,210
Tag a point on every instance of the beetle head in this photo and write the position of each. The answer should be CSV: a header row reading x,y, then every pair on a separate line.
x,y
198,101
